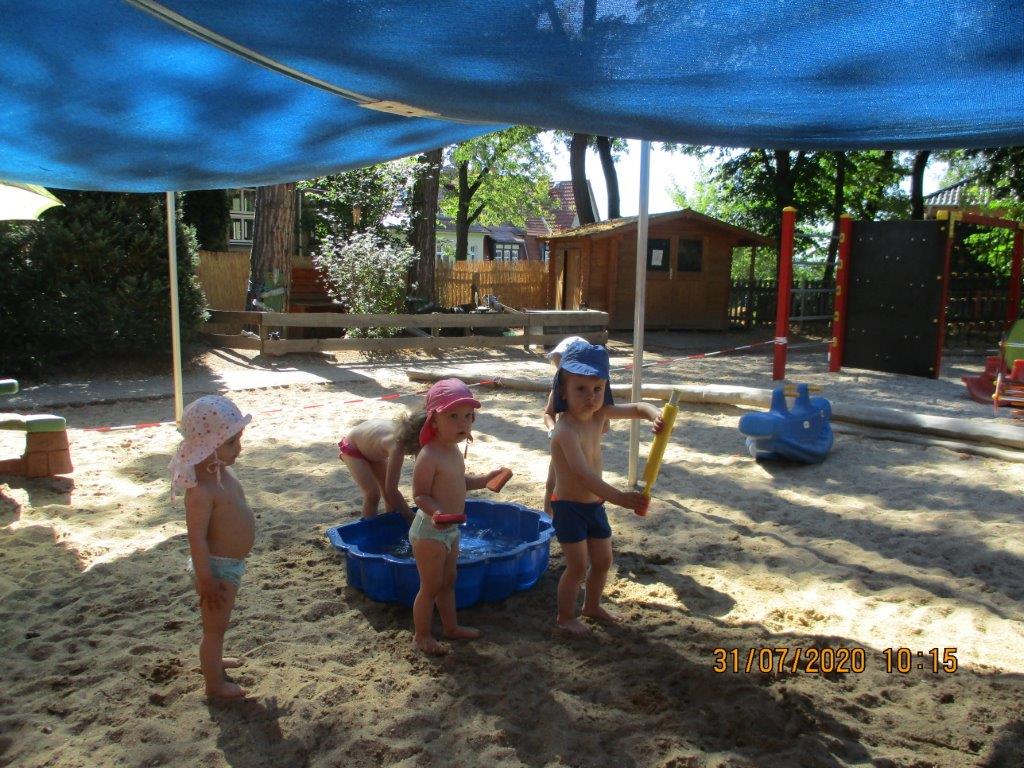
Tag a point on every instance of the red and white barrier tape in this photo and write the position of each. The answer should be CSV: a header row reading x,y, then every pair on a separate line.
x,y
702,355
392,396
399,396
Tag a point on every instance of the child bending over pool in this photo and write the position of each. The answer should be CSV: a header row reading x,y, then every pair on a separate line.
x,y
221,527
582,394
374,452
439,485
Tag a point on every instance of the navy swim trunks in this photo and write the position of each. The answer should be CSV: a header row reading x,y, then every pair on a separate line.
x,y
577,521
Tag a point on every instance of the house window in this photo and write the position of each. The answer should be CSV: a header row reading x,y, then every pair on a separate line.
x,y
657,255
545,252
243,215
691,256
506,252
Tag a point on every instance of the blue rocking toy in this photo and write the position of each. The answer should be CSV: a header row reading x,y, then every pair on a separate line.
x,y
802,434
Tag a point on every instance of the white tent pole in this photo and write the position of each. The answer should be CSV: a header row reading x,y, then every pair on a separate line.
x,y
638,309
172,262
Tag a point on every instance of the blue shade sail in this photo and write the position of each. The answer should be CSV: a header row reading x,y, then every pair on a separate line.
x,y
192,94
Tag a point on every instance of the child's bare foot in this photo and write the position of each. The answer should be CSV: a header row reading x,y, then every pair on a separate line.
x,y
230,662
573,627
463,633
226,690
429,646
600,614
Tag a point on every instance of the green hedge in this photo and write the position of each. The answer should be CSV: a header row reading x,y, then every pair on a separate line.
x,y
89,281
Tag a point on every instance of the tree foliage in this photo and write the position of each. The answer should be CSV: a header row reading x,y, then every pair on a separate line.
x,y
500,178
750,188
361,200
89,281
208,211
995,188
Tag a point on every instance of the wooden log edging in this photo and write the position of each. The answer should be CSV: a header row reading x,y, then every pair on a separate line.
x,y
963,430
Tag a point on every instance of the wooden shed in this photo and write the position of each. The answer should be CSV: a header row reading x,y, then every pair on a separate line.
x,y
689,256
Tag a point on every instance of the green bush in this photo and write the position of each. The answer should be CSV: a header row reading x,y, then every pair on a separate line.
x,y
89,281
366,273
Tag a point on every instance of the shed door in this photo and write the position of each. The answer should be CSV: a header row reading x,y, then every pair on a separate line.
x,y
573,279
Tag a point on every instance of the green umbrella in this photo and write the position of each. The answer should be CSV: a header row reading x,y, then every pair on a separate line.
x,y
24,201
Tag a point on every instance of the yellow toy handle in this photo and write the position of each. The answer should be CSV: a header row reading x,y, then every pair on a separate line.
x,y
668,415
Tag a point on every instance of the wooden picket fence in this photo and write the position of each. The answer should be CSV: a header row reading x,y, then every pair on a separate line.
x,y
753,303
518,284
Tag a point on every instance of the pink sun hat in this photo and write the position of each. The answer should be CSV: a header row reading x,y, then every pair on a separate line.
x,y
206,424
445,394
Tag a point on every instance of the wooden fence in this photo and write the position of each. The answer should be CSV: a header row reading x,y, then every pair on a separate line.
x,y
976,309
491,329
519,284
753,303
224,277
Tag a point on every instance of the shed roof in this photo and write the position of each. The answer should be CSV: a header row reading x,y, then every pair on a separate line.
x,y
613,226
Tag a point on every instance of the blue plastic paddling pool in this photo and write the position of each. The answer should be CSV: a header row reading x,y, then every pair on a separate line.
x,y
504,548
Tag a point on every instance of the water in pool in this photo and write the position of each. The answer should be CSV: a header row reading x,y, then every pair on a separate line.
x,y
474,542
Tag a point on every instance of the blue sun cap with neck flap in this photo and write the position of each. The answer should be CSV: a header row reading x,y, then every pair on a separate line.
x,y
582,359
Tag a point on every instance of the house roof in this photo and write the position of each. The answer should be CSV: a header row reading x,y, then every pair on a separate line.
x,y
948,196
506,233
612,226
564,215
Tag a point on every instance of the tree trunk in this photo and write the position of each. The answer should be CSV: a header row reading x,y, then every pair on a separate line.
x,y
611,178
578,168
274,240
424,223
838,201
783,190
462,216
917,184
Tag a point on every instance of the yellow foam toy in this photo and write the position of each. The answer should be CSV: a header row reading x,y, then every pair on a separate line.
x,y
668,415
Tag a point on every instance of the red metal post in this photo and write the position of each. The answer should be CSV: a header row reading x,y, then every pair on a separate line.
x,y
784,287
835,351
1013,305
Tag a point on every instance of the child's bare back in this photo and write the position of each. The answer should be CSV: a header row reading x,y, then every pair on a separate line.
x,y
374,438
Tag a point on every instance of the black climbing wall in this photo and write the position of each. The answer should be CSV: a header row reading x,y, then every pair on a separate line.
x,y
894,296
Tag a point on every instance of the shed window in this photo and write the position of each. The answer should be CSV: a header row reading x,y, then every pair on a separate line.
x,y
658,255
691,255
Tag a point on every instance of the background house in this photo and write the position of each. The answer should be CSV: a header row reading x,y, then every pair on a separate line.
x,y
689,258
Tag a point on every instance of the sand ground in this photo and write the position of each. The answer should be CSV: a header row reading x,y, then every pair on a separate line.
x,y
885,545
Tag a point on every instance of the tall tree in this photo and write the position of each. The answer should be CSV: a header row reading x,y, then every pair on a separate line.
x,y
578,170
424,221
838,203
611,178
274,240
500,178
917,184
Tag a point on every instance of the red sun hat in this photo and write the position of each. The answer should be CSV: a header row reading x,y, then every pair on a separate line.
x,y
444,395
